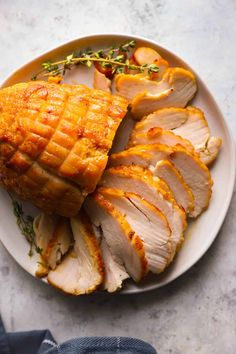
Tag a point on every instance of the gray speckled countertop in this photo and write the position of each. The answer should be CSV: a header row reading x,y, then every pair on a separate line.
x,y
196,313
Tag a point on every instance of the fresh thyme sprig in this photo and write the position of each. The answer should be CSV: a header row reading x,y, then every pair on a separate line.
x,y
25,223
114,60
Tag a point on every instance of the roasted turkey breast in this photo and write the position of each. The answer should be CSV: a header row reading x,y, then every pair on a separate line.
x,y
161,136
166,170
54,141
148,222
176,88
82,270
194,172
189,123
135,179
115,272
125,245
53,236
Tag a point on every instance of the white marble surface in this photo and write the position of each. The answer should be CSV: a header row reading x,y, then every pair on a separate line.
x,y
196,313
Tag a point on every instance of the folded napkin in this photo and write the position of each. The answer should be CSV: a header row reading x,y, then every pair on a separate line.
x,y
42,342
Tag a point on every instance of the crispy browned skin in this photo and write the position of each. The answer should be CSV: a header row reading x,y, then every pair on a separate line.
x,y
54,141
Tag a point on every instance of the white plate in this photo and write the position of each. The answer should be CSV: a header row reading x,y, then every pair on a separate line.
x,y
200,233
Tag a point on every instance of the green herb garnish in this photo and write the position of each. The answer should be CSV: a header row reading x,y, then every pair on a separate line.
x,y
114,58
25,223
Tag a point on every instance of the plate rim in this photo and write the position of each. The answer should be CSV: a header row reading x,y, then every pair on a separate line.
x,y
231,180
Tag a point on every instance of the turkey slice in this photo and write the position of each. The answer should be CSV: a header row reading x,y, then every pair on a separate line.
x,y
165,118
196,175
101,82
183,195
176,89
194,172
125,245
129,86
160,136
173,82
189,123
81,271
135,179
148,222
210,151
53,236
115,272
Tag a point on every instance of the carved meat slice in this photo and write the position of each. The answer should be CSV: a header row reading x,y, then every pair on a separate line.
x,y
176,89
166,170
82,270
115,272
196,175
148,222
135,179
124,244
101,82
194,172
53,237
189,123
209,152
129,86
165,118
158,135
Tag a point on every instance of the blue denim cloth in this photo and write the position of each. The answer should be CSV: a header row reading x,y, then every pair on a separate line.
x,y
42,342
102,345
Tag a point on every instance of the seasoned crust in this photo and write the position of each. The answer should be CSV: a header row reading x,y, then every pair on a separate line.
x,y
54,141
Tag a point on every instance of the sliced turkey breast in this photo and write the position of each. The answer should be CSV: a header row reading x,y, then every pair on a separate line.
x,y
55,140
53,236
210,151
148,222
135,179
101,82
81,271
173,83
158,135
128,85
125,245
196,175
189,123
183,195
194,172
165,118
115,272
176,88
195,128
